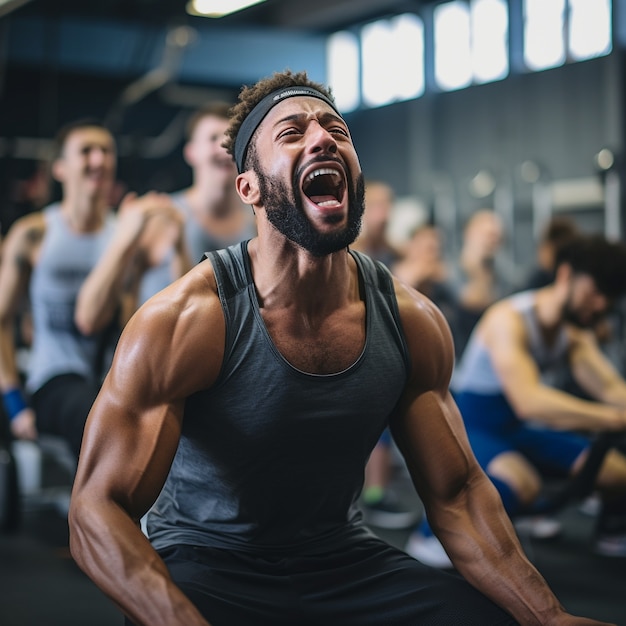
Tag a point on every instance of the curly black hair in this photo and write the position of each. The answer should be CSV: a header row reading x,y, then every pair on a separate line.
x,y
598,257
250,96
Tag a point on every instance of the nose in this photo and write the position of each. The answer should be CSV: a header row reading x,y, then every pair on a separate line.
x,y
319,139
97,156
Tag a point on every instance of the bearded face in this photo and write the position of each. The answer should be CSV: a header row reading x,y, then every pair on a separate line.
x,y
285,212
585,305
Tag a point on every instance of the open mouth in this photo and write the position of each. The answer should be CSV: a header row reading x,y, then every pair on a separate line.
x,y
95,175
324,186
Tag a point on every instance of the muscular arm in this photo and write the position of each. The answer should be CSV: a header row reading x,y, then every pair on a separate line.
x,y
18,253
462,505
130,440
594,372
505,337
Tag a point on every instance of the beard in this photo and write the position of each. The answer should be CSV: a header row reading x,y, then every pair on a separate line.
x,y
572,316
286,214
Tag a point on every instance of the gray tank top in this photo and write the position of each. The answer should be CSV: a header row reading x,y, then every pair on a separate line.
x,y
65,260
198,242
475,371
272,458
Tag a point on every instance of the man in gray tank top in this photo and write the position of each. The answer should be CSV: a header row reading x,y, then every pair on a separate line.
x,y
213,213
243,403
521,425
78,264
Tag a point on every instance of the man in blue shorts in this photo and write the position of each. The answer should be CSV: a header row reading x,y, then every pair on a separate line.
x,y
519,423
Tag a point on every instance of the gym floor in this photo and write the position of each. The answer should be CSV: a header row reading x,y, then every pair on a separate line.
x,y
42,586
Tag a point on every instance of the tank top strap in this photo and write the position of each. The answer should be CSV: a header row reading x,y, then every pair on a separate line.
x,y
231,269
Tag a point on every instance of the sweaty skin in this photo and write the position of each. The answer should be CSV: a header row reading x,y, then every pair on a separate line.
x,y
133,429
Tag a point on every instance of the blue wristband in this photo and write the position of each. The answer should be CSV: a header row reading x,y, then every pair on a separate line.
x,y
14,402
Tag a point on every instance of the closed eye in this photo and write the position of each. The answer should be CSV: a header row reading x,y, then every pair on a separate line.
x,y
290,131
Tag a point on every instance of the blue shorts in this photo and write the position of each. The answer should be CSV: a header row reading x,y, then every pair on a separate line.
x,y
493,428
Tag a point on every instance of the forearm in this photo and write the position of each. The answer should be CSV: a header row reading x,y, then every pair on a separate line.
x,y
123,564
561,410
21,417
615,396
182,261
611,392
100,294
484,548
9,374
478,292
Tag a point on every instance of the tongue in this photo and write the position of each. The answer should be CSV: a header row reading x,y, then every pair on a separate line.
x,y
325,200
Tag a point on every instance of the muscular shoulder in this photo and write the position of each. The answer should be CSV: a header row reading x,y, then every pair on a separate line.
x,y
175,342
428,337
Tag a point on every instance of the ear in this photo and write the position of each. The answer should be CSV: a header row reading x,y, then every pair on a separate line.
x,y
248,188
563,273
188,153
58,170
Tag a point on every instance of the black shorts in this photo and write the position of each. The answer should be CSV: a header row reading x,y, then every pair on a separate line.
x,y
62,406
369,583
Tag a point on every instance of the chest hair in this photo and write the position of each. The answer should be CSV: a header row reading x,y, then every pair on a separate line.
x,y
326,346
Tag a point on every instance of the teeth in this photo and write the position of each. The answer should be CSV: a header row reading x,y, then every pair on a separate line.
x,y
321,172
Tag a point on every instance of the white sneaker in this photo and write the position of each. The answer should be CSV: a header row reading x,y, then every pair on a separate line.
x,y
591,505
538,527
611,545
428,550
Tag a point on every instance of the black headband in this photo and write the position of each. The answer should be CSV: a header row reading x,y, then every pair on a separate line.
x,y
262,108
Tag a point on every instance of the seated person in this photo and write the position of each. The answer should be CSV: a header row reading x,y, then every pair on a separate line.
x,y
518,423
246,397
482,276
78,263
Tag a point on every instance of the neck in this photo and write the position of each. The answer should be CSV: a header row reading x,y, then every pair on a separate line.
x,y
209,200
288,276
549,303
84,214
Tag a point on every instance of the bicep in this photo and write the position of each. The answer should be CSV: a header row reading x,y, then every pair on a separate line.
x,y
134,426
427,425
129,441
431,436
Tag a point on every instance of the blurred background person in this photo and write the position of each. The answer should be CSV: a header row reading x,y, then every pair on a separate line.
x,y
480,279
212,211
374,237
79,263
424,267
559,230
520,426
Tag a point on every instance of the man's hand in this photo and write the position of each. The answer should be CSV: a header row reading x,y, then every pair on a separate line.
x,y
23,425
135,212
